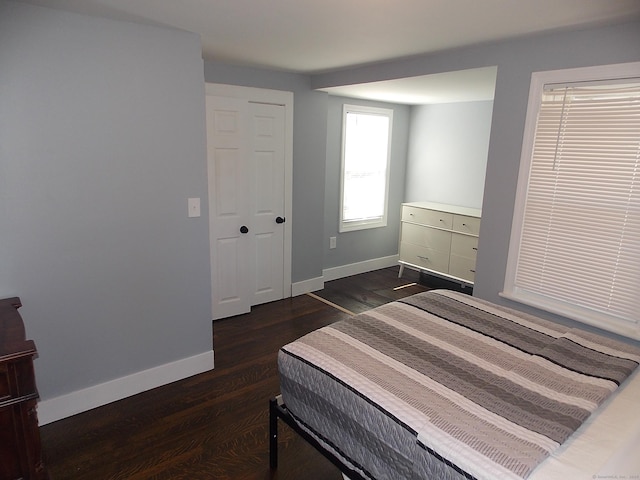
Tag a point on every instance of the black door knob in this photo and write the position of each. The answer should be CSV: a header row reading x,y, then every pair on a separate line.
x,y
279,220
243,229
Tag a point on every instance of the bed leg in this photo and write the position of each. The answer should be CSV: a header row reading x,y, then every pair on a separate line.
x,y
273,433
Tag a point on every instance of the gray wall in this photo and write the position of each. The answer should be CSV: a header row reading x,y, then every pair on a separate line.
x,y
309,144
448,148
372,243
516,60
102,141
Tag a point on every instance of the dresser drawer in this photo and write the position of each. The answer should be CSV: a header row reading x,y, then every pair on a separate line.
x,y
424,257
464,246
5,388
464,224
17,382
427,237
462,267
422,216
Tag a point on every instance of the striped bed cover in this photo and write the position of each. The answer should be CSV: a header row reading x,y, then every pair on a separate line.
x,y
444,385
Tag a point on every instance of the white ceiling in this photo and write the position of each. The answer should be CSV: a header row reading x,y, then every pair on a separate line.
x,y
462,86
313,36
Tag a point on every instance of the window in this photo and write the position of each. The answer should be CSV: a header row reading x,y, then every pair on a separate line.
x,y
575,242
366,142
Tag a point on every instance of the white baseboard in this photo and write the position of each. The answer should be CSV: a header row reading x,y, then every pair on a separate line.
x,y
306,286
359,267
80,401
334,273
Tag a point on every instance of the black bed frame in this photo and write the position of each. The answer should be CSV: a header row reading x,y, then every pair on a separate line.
x,y
278,410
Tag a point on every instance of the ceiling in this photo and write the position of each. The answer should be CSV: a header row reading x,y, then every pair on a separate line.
x,y
314,36
471,85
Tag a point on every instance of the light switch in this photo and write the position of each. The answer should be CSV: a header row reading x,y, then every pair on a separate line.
x,y
194,207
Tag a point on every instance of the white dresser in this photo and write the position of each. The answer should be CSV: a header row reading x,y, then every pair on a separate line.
x,y
440,239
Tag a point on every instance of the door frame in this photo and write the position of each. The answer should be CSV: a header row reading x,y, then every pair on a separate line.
x,y
272,97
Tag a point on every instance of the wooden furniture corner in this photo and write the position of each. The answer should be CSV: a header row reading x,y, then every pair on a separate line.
x,y
20,447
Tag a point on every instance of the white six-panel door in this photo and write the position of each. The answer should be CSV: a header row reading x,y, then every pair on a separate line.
x,y
227,147
266,170
248,203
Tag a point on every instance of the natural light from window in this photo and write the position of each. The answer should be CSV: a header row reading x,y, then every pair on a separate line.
x,y
365,167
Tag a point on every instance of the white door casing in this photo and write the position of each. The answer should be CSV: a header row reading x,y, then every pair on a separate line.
x,y
249,150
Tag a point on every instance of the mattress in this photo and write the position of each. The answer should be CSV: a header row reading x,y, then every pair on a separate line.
x,y
443,385
607,445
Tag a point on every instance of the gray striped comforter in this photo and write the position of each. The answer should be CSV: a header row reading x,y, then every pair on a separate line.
x,y
443,385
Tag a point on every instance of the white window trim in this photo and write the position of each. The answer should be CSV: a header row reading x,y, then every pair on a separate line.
x,y
348,226
511,291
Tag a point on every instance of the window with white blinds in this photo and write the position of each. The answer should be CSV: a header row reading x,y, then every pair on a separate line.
x,y
575,249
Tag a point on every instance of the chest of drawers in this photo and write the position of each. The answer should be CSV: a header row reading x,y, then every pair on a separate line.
x,y
20,450
440,239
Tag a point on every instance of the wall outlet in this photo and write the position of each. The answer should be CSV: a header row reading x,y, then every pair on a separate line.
x,y
194,207
332,242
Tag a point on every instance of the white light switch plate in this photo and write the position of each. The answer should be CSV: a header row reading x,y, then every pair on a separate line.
x,y
194,207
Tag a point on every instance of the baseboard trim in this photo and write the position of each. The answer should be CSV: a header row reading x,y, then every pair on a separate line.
x,y
359,267
80,401
334,273
307,286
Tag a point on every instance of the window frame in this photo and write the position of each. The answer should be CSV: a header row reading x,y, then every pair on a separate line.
x,y
607,74
374,222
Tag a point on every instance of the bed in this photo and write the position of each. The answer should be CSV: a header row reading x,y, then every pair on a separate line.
x,y
442,385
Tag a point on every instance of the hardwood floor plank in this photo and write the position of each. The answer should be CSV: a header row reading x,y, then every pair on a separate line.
x,y
214,425
360,293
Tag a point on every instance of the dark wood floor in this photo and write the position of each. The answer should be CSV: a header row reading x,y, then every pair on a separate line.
x,y
364,292
215,425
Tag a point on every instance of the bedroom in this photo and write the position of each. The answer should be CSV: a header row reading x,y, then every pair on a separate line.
x,y
62,91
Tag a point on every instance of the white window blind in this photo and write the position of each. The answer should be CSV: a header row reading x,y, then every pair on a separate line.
x,y
579,241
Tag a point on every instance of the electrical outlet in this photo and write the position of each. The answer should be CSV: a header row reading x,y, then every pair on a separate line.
x,y
332,242
194,207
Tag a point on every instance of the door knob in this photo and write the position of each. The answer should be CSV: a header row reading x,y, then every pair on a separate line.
x,y
280,220
243,229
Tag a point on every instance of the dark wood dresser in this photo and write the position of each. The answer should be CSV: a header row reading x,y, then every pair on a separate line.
x,y
20,450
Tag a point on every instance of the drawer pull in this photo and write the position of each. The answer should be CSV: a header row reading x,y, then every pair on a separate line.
x,y
475,248
423,258
472,271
